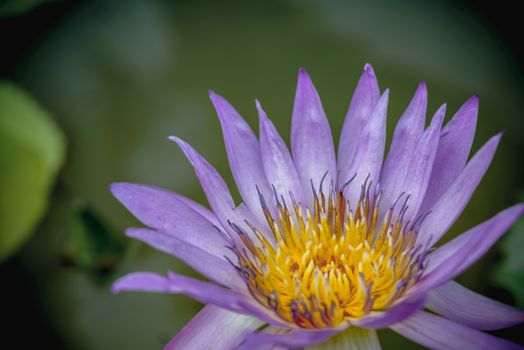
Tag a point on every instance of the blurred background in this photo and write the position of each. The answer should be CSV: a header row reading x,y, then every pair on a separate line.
x,y
90,90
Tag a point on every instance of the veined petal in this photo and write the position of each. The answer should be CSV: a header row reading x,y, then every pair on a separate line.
x,y
215,268
204,292
353,338
142,282
436,332
450,205
362,104
199,208
370,153
244,155
278,165
333,259
294,339
214,328
408,131
453,150
164,211
454,257
311,140
209,293
464,306
214,187
396,313
419,169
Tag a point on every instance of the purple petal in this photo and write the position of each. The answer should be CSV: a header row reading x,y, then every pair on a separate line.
x,y
244,155
215,189
462,305
164,211
293,339
448,208
362,104
204,292
435,332
214,328
209,293
354,338
457,255
213,267
407,134
142,282
370,153
199,208
453,150
278,165
311,140
394,314
419,169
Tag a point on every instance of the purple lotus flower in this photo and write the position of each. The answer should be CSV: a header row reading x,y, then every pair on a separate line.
x,y
326,247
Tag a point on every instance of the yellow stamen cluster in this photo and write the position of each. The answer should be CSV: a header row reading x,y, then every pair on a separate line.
x,y
331,263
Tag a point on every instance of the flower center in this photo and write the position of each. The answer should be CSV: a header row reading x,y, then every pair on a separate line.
x,y
333,262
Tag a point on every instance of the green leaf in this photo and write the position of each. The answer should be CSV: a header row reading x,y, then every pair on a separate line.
x,y
510,272
354,338
31,152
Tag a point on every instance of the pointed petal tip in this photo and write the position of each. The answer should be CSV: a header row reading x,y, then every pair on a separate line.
x,y
115,187
119,189
177,140
303,77
142,282
258,105
472,102
262,116
369,69
262,119
218,100
422,88
133,232
115,288
184,146
383,101
512,214
120,284
438,118
227,114
496,139
441,111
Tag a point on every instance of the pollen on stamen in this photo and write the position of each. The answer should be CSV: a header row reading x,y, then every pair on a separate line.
x,y
332,262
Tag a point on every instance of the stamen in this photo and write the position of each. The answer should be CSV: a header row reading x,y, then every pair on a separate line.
x,y
330,262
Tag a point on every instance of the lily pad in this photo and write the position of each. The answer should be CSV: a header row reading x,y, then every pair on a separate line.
x,y
31,152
